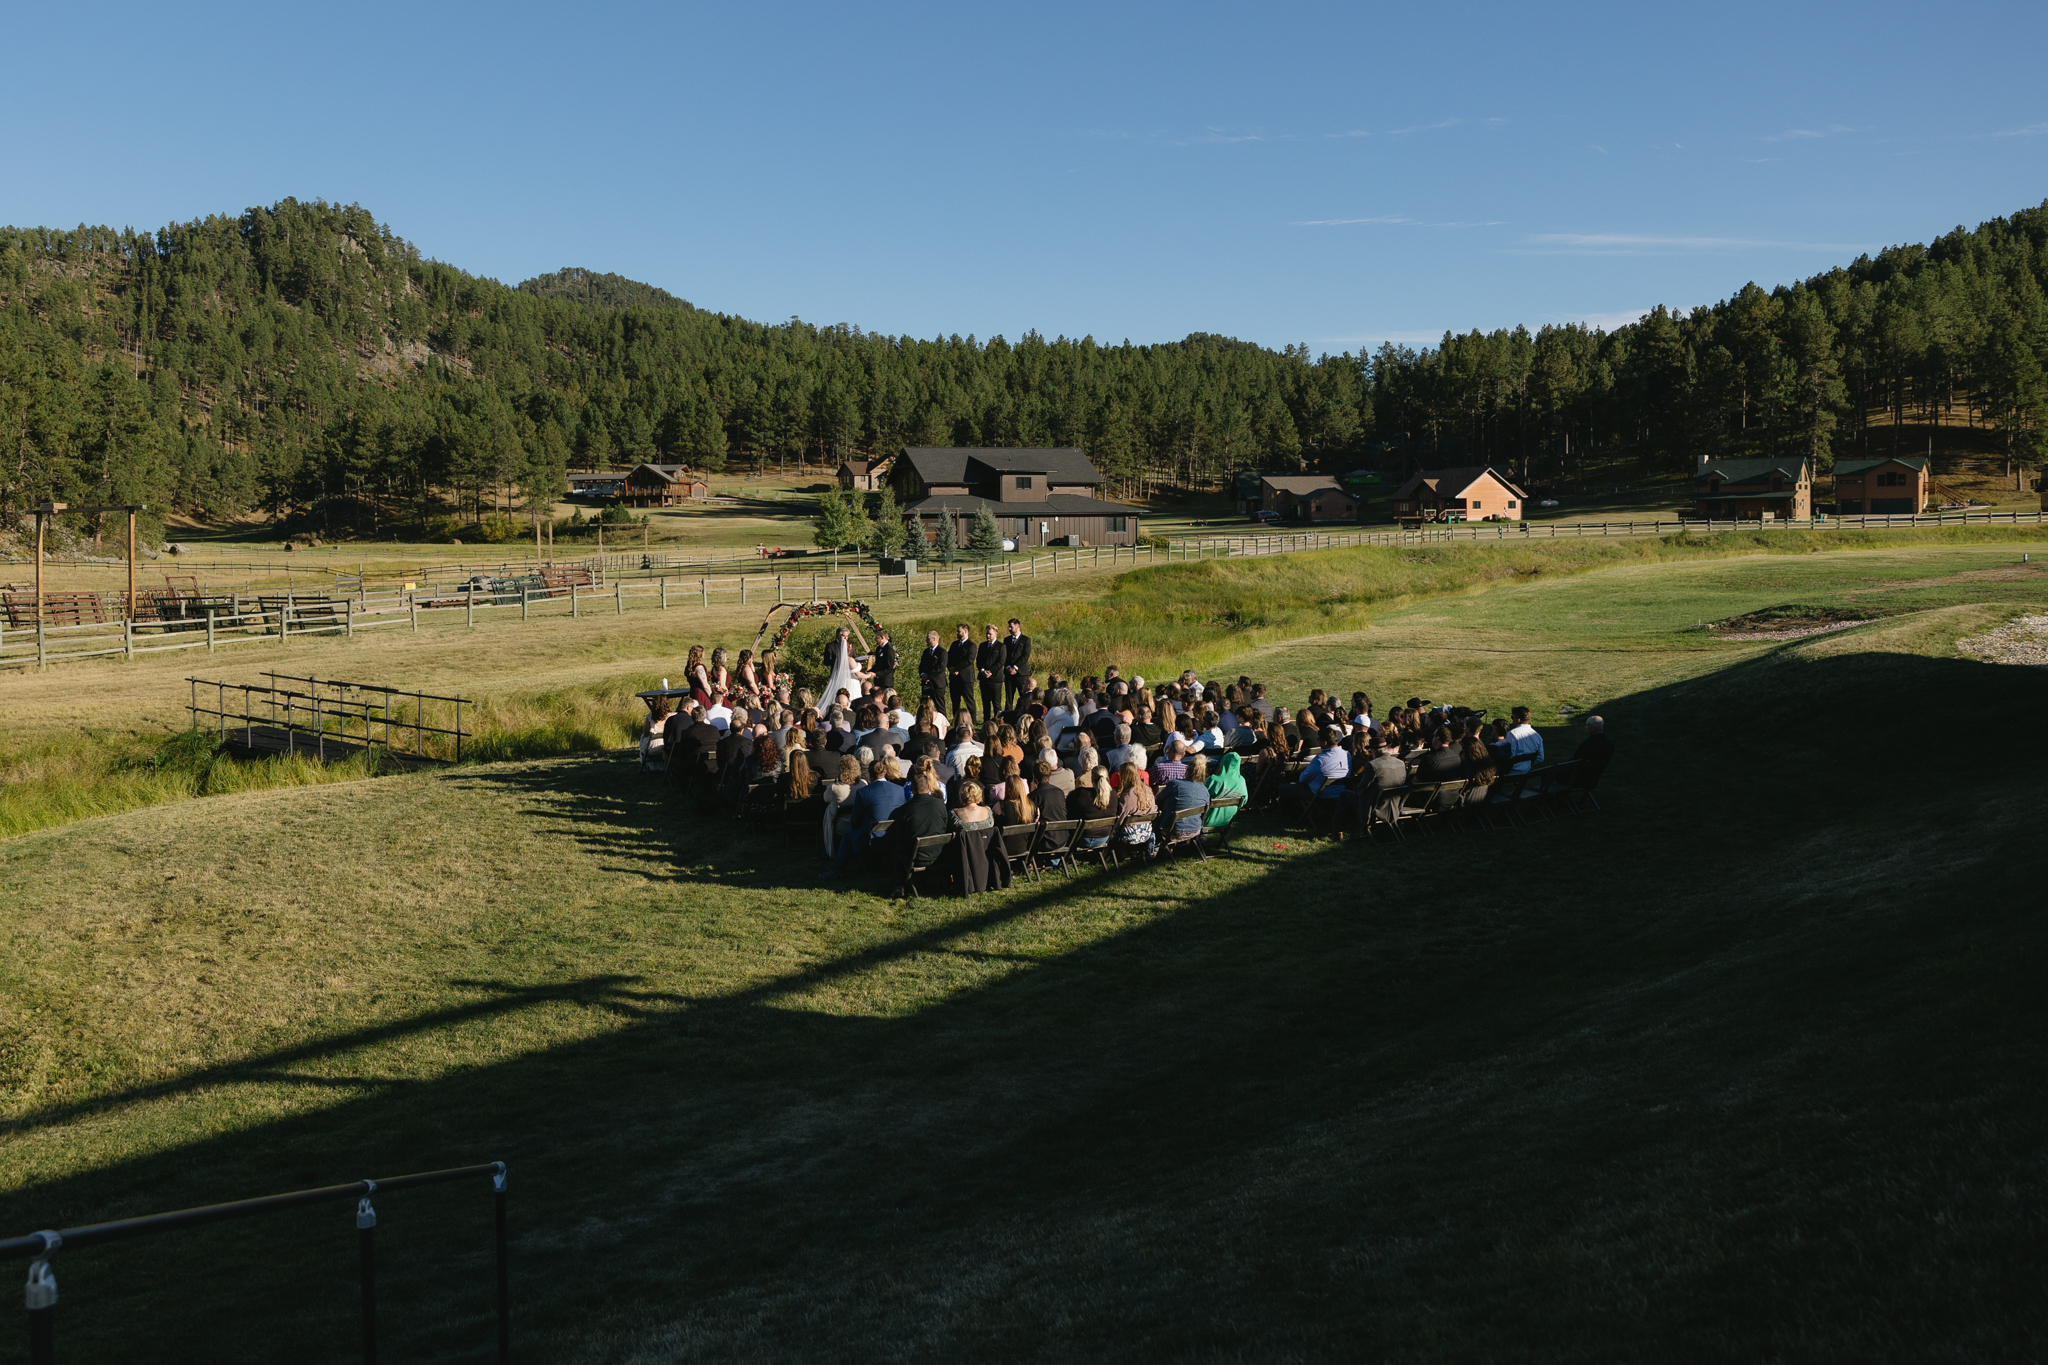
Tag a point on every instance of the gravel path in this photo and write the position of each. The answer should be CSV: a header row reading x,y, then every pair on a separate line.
x,y
2023,640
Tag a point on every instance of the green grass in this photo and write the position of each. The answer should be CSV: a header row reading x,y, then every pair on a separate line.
x,y
1740,1066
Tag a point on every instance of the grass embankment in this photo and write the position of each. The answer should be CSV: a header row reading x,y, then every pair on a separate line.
x,y
1720,1065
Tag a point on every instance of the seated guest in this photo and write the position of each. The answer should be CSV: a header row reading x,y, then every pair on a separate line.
x,y
925,814
1226,780
1480,773
971,772
1209,736
1049,794
798,787
1388,769
964,747
1182,799
1146,731
1127,750
1092,799
765,763
1498,744
1594,752
1442,763
1007,745
1326,771
1062,776
872,804
1525,746
1171,766
1082,756
970,813
1134,800
1060,717
839,800
1017,807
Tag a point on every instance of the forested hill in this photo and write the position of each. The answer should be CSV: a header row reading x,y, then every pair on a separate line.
x,y
303,355
603,291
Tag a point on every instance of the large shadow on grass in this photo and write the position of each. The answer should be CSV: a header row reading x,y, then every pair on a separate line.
x,y
1744,1063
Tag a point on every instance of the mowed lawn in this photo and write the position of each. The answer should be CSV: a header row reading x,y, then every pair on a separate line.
x,y
1745,1066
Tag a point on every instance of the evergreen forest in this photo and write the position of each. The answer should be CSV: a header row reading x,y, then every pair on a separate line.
x,y
302,360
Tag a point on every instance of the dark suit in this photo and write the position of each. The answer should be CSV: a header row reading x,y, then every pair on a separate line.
x,y
931,674
885,669
1592,757
1016,667
693,757
960,675
988,671
1440,765
915,819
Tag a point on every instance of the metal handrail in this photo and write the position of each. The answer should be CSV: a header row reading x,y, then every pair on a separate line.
x,y
42,1284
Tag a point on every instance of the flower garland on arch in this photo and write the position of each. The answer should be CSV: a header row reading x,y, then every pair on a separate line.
x,y
800,611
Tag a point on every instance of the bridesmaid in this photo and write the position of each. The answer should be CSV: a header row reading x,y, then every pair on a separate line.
x,y
694,675
744,671
721,676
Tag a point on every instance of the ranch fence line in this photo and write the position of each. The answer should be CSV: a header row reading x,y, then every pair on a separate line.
x,y
575,588
41,1295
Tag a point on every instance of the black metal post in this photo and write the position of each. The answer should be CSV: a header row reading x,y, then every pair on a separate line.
x,y
41,1300
504,1272
366,1240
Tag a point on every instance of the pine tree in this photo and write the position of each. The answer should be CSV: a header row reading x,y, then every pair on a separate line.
x,y
833,526
889,530
947,546
985,538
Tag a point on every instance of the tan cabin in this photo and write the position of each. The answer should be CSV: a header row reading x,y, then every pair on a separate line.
x,y
1754,490
864,476
1306,497
1481,492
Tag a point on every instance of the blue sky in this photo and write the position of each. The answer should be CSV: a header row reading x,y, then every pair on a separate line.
x,y
1334,175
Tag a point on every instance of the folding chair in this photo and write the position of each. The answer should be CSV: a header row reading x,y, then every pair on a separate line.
x,y
1502,801
1020,848
1418,801
1176,844
1449,806
930,843
874,848
1224,832
1553,794
1110,825
1582,789
1380,810
1055,840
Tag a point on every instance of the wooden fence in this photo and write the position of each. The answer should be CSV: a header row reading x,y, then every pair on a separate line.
x,y
578,589
328,718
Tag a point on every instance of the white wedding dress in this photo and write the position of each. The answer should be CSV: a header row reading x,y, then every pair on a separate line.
x,y
846,674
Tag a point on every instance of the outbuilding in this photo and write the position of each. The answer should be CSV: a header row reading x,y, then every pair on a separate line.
x,y
662,485
1754,490
1481,492
1038,495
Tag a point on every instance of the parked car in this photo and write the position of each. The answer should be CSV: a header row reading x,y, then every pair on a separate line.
x,y
1266,516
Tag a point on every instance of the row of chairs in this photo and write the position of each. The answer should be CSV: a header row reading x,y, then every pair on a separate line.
x,y
1459,806
1032,849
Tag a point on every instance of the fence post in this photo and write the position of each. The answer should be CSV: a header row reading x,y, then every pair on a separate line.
x,y
366,1244
619,587
128,638
469,604
525,597
664,593
743,590
575,608
209,630
778,590
504,1271
984,573
42,1310
348,616
413,604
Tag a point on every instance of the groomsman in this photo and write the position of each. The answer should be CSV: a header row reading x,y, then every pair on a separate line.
x,y
931,670
1016,664
960,670
988,667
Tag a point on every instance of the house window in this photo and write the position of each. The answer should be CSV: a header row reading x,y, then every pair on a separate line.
x,y
1116,524
1477,504
1511,502
1023,481
1892,479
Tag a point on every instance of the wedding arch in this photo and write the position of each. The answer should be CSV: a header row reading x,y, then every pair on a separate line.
x,y
855,613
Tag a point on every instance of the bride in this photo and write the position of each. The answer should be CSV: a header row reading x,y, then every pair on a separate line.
x,y
846,670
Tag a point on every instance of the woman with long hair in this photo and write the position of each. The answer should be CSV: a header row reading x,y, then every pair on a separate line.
x,y
970,771
839,800
694,676
769,678
721,676
744,670
1135,802
1017,805
1480,772
796,778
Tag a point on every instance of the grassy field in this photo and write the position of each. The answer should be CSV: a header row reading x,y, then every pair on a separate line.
x,y
1745,1062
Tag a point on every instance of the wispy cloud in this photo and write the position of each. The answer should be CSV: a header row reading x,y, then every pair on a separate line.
x,y
1800,134
1393,219
1220,135
1355,132
2031,130
1635,244
1598,148
1760,160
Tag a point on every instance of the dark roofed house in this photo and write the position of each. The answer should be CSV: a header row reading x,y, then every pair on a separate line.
x,y
1038,495
1754,490
1480,492
1306,497
661,485
1880,486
